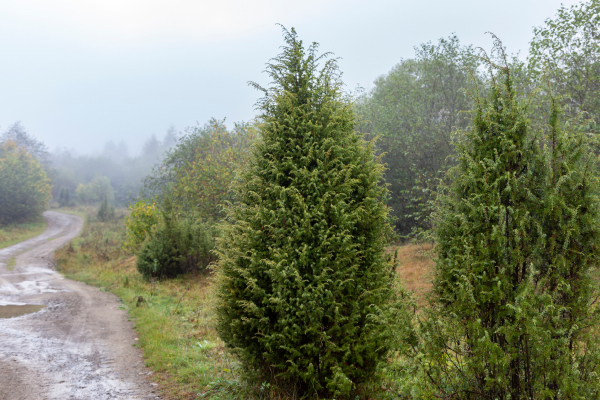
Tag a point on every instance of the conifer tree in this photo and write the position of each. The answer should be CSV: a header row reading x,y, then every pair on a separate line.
x,y
517,240
302,270
105,211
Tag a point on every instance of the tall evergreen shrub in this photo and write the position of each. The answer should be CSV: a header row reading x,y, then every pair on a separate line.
x,y
302,271
517,235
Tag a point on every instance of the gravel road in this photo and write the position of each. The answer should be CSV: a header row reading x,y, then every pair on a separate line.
x,y
80,346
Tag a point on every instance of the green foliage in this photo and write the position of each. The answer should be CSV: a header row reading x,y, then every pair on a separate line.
x,y
106,212
195,175
140,222
95,191
175,246
24,185
518,244
566,51
414,109
304,286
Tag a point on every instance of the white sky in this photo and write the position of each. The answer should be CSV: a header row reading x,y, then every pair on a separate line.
x,y
77,73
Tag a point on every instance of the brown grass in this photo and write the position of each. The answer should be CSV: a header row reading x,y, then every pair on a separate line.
x,y
415,270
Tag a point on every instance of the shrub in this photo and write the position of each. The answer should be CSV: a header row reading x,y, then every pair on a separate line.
x,y
301,268
142,218
105,211
94,191
518,245
196,173
175,246
64,197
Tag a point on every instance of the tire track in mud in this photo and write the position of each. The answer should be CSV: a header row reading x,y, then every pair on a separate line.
x,y
80,346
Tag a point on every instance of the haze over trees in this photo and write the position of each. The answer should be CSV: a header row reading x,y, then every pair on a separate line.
x,y
114,172
414,109
16,133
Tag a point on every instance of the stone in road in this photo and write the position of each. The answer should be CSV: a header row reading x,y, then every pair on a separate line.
x,y
80,345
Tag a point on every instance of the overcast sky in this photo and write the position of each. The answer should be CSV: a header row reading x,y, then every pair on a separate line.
x,y
78,73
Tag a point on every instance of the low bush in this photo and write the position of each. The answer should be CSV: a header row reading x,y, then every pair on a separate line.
x,y
175,246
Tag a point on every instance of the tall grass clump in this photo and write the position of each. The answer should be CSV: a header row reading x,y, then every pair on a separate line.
x,y
302,277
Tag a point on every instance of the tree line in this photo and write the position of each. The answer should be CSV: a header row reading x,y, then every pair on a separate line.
x,y
38,176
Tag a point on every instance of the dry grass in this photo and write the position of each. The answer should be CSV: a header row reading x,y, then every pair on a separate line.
x,y
416,267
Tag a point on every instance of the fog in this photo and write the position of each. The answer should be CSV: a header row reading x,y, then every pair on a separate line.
x,y
79,75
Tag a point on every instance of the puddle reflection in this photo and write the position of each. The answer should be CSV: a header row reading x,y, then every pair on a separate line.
x,y
12,311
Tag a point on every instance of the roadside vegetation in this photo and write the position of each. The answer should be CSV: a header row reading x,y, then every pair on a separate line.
x,y
24,185
173,318
14,233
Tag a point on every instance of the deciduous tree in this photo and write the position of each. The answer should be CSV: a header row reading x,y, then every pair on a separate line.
x,y
24,186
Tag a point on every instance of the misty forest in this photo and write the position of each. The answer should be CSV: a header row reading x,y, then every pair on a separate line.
x,y
434,237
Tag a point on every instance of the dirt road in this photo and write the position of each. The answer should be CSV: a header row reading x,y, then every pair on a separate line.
x,y
80,346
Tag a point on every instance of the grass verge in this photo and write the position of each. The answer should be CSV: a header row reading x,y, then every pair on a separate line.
x,y
15,233
172,318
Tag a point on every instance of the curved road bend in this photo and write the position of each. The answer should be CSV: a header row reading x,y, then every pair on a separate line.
x,y
80,345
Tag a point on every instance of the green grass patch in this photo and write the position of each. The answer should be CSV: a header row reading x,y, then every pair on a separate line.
x,y
11,263
15,233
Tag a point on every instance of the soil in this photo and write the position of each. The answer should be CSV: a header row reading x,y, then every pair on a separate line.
x,y
80,345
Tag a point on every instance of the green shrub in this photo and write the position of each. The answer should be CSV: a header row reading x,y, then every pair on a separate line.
x,y
64,197
175,246
143,217
518,245
106,212
302,271
94,191
196,173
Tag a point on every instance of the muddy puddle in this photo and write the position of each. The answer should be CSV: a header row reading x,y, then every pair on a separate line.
x,y
11,311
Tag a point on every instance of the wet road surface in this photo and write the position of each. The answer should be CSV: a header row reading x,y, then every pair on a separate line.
x,y
80,345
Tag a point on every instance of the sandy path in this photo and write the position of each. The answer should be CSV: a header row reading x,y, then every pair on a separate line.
x,y
80,346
